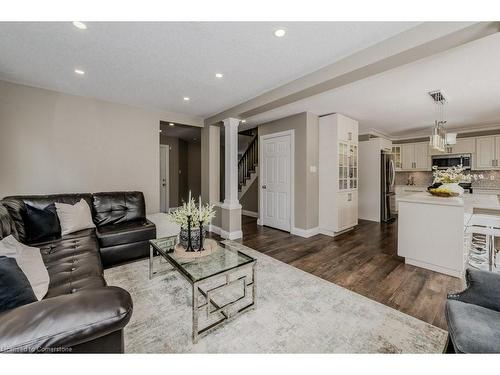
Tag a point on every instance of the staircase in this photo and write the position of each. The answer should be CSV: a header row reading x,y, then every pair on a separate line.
x,y
247,167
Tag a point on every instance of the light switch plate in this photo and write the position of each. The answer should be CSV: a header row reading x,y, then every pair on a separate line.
x,y
313,169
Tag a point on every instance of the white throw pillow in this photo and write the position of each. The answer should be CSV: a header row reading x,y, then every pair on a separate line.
x,y
74,217
30,262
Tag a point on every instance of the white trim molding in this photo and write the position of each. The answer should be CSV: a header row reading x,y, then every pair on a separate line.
x,y
331,233
306,233
224,234
250,213
291,133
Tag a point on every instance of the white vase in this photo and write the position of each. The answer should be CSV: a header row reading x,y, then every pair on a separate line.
x,y
454,187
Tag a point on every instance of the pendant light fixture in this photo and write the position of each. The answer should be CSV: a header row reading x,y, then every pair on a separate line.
x,y
439,139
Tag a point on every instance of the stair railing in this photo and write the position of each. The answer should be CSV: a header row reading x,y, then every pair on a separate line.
x,y
248,162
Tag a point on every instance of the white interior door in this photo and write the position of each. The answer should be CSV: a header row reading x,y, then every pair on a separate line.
x,y
164,156
276,182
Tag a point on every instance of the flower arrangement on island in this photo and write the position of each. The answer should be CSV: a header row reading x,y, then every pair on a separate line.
x,y
446,182
454,175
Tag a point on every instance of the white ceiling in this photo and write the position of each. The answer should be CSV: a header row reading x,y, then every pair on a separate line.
x,y
396,102
154,65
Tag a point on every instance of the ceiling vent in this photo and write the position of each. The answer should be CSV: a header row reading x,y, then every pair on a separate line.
x,y
438,96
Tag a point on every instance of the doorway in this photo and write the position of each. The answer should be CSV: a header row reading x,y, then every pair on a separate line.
x,y
164,180
180,153
277,180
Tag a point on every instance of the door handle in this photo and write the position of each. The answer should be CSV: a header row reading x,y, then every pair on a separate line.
x,y
264,187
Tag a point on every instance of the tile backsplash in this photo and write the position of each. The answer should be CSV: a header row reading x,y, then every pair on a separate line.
x,y
491,179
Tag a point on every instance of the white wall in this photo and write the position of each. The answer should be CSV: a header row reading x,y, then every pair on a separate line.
x,y
56,143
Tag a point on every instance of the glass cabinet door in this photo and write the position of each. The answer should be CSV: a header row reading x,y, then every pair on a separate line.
x,y
353,167
396,150
343,166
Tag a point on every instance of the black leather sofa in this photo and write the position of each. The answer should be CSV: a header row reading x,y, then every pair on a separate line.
x,y
80,313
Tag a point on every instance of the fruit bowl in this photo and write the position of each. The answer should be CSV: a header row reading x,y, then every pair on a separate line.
x,y
443,193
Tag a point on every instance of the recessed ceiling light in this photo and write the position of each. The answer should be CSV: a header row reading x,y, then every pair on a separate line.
x,y
219,75
243,121
79,25
186,99
171,124
279,33
79,71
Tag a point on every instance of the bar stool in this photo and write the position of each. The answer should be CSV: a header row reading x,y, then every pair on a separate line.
x,y
481,231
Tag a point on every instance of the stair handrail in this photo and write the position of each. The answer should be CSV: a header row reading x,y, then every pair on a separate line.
x,y
248,160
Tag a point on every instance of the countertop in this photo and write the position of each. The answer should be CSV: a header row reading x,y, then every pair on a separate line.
x,y
468,201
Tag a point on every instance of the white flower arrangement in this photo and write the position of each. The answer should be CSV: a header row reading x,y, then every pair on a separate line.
x,y
197,212
454,175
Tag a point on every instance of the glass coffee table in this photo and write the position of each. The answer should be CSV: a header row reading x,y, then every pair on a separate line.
x,y
223,282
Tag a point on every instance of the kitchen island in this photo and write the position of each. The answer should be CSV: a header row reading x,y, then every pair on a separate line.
x,y
431,229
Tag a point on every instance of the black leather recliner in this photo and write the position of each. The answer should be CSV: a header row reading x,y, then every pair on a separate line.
x,y
79,313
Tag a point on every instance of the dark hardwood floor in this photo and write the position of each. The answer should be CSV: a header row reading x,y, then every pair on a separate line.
x,y
363,260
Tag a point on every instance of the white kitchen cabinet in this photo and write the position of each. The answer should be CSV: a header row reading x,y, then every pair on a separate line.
x,y
407,156
497,152
487,152
347,129
463,146
347,203
422,160
338,177
415,156
396,151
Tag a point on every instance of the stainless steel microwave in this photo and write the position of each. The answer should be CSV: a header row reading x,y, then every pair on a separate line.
x,y
447,161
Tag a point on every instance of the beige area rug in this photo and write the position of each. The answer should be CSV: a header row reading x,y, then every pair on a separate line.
x,y
296,312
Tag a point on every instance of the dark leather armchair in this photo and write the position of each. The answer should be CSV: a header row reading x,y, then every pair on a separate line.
x,y
473,315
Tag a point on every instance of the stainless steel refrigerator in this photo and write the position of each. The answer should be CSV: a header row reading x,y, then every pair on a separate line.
x,y
388,175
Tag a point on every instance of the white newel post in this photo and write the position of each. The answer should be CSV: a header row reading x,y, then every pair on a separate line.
x,y
231,208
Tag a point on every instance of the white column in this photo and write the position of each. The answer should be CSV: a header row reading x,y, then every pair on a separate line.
x,y
231,164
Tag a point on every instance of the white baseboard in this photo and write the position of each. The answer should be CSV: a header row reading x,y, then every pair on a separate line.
x,y
258,222
433,267
328,232
214,229
224,234
306,233
249,213
231,235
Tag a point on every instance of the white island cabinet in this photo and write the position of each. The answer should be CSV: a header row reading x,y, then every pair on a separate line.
x,y
431,232
431,229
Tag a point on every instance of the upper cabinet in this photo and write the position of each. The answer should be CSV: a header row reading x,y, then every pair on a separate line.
x,y
347,129
396,151
487,152
415,157
463,146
